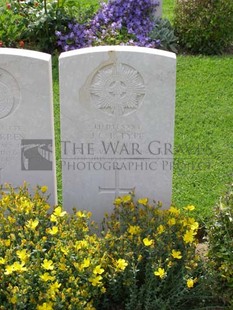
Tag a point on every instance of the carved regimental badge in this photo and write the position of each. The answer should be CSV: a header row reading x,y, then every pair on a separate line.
x,y
9,93
117,89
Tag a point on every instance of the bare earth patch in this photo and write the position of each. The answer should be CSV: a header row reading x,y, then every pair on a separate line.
x,y
202,250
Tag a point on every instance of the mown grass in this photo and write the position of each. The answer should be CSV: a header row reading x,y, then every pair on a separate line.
x,y
203,131
168,8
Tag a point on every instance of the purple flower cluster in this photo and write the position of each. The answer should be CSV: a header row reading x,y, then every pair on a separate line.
x,y
126,22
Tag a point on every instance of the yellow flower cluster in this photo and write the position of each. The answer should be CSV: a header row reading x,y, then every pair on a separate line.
x,y
72,267
164,239
55,250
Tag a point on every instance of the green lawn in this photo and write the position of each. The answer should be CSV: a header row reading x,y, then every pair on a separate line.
x,y
203,131
168,7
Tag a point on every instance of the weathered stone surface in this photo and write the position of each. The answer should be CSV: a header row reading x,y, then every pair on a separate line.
x,y
117,125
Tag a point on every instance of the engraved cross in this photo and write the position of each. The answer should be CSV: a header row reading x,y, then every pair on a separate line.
x,y
117,189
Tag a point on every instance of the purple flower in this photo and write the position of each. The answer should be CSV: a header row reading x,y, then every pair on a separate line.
x,y
129,20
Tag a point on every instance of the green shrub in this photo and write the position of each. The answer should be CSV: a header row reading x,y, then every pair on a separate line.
x,y
48,260
158,246
164,32
220,235
11,28
204,26
145,259
36,21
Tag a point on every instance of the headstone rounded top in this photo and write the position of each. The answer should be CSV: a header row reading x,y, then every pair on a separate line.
x,y
117,48
24,53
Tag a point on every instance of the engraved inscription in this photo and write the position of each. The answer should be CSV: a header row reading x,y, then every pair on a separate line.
x,y
117,89
9,93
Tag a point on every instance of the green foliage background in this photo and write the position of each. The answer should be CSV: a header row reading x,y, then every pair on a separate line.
x,y
204,26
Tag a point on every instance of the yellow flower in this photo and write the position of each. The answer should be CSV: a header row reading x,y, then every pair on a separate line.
x,y
95,281
23,255
12,237
13,300
24,204
98,270
44,189
103,289
189,236
143,201
194,226
32,224
62,266
9,269
17,266
80,214
117,201
160,229
191,221
189,208
86,263
7,242
53,230
126,198
176,254
47,264
53,218
45,306
89,306
58,212
15,290
11,219
53,289
169,264
46,277
81,244
160,273
134,230
139,257
6,199
2,261
147,242
121,264
184,222
46,207
171,221
174,210
190,282
65,250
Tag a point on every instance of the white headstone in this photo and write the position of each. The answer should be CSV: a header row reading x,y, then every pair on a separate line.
x,y
117,124
26,120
